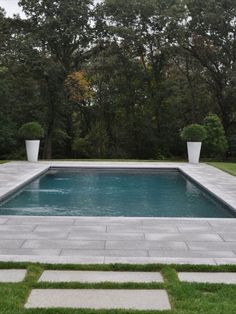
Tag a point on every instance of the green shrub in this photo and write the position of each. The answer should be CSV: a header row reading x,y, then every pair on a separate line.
x,y
193,133
216,143
31,131
7,135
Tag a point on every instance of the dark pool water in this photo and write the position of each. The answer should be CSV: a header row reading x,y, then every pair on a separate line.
x,y
127,193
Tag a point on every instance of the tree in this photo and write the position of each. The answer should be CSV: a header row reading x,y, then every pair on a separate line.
x,y
215,144
209,35
61,33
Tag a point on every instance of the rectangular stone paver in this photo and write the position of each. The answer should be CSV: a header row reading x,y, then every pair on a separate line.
x,y
99,299
12,275
99,276
226,278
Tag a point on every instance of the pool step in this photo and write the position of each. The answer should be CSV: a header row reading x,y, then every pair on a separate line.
x,y
99,299
100,276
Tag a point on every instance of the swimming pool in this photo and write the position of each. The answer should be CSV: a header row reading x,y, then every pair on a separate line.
x,y
114,193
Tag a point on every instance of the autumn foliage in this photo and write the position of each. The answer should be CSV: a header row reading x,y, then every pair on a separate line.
x,y
78,87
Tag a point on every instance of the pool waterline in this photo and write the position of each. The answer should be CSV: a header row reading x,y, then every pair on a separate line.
x,y
113,192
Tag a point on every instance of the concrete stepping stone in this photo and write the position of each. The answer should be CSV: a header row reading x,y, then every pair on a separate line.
x,y
12,275
100,276
226,278
99,299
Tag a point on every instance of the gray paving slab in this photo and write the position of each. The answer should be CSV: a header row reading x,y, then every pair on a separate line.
x,y
100,276
99,299
206,230
191,253
135,245
212,246
3,220
160,260
229,236
208,277
61,244
70,228
17,235
225,261
182,237
11,244
25,252
53,259
94,252
17,228
40,220
223,223
109,221
77,235
12,275
161,223
141,229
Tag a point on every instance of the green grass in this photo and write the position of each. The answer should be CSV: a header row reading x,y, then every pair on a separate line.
x,y
227,167
185,298
3,161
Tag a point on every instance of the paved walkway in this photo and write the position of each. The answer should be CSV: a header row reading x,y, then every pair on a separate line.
x,y
109,298
118,240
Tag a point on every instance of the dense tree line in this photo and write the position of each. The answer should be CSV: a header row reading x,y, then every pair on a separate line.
x,y
118,79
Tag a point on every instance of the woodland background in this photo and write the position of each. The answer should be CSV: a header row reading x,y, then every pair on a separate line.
x,y
118,79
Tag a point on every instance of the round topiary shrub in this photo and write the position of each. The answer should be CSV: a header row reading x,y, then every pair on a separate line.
x,y
193,133
31,131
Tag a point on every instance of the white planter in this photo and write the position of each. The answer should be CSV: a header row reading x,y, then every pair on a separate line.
x,y
194,149
32,150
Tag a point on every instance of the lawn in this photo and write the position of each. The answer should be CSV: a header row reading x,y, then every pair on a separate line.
x,y
185,298
227,167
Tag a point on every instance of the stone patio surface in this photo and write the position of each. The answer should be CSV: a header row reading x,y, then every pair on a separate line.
x,y
119,240
99,299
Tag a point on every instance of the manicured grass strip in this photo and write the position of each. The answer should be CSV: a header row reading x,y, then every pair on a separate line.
x,y
118,267
102,285
185,298
227,167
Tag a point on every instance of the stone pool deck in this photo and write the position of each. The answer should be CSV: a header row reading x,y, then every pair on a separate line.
x,y
119,240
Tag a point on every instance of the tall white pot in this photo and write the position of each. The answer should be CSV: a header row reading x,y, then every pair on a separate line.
x,y
32,150
194,150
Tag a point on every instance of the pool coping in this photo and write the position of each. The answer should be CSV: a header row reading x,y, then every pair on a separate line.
x,y
202,174
14,175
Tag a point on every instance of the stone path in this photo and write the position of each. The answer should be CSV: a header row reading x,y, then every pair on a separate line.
x,y
144,299
99,299
225,278
126,299
12,275
100,276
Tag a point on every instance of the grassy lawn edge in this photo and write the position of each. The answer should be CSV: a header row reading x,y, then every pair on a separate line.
x,y
227,167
